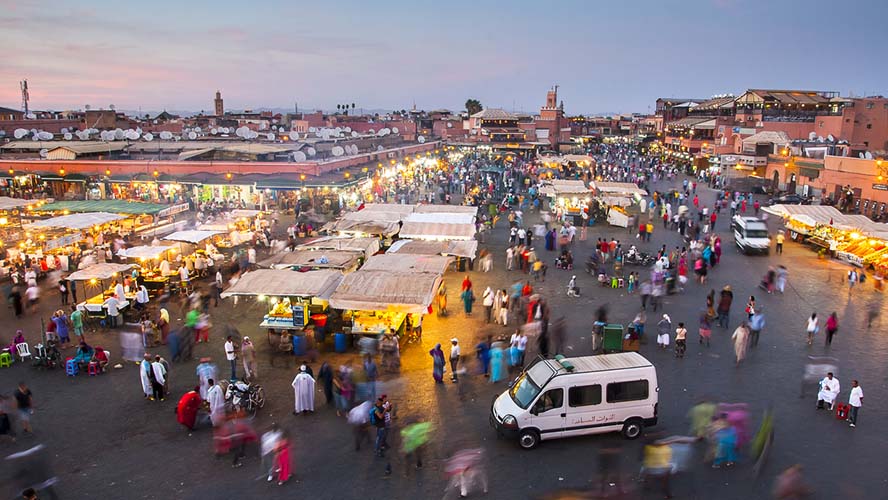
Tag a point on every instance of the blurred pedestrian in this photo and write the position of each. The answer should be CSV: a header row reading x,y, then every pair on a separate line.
x,y
282,459
359,418
664,331
832,326
813,327
790,485
24,400
454,359
437,363
741,341
268,443
188,407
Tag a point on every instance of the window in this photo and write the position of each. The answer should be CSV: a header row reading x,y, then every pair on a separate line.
x,y
869,105
869,125
584,395
551,400
627,391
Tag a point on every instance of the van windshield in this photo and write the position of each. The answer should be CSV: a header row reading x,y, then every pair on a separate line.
x,y
529,384
524,391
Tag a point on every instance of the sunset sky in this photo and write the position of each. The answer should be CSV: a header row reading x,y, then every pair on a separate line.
x,y
616,56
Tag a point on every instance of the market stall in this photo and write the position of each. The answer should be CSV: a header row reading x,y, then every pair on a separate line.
x,y
618,197
367,246
94,279
435,264
342,260
461,248
378,301
295,299
568,198
149,259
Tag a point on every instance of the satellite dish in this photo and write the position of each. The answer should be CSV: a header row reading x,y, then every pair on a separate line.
x,y
347,129
119,135
868,155
192,135
44,136
166,135
139,130
830,138
32,116
312,129
820,138
337,151
43,152
395,130
132,135
197,129
149,137
311,151
860,155
19,133
338,130
298,156
64,130
420,139
225,130
269,136
354,134
379,148
371,131
449,125
68,136
214,131
812,136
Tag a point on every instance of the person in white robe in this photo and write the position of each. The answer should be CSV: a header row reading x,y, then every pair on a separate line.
x,y
216,400
144,367
829,391
303,390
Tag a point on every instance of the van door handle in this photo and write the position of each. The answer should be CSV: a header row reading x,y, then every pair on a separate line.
x,y
563,415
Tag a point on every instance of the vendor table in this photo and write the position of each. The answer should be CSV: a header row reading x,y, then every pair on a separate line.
x,y
370,323
94,305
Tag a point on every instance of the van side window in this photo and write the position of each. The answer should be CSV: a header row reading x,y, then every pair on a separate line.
x,y
635,390
551,400
584,395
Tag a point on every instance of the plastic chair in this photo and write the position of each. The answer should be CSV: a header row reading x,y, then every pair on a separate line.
x,y
5,360
23,351
92,368
71,367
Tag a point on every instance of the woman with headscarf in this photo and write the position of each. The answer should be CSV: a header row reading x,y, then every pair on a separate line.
x,y
467,298
437,364
496,362
664,330
19,338
741,341
163,324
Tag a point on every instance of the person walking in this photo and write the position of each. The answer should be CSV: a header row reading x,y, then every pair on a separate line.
x,y
681,336
779,239
664,331
855,399
248,354
487,300
377,419
832,326
24,400
813,326
303,392
454,359
468,298
726,297
741,341
756,324
231,356
158,380
437,363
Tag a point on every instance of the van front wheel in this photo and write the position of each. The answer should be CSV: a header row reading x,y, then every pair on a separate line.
x,y
632,429
529,439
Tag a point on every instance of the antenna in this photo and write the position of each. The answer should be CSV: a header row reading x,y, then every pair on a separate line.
x,y
25,96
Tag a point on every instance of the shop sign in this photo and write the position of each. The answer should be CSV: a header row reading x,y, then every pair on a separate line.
x,y
298,315
880,187
849,258
61,242
175,209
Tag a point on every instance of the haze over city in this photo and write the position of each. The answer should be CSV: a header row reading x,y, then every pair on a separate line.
x,y
606,56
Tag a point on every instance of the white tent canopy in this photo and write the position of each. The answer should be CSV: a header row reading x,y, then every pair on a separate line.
x,y
618,188
192,236
79,221
386,291
559,187
442,217
144,252
460,248
368,246
437,231
286,283
407,263
7,203
103,271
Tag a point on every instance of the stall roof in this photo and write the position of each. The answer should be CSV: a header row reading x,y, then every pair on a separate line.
x,y
330,259
407,263
243,212
623,188
437,231
464,248
368,246
102,271
820,214
112,206
559,187
144,251
386,291
286,283
192,236
442,217
383,228
451,209
78,221
7,203
388,207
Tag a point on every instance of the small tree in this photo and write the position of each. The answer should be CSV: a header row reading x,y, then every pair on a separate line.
x,y
473,106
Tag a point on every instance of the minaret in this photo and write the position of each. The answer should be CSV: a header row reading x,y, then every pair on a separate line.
x,y
217,102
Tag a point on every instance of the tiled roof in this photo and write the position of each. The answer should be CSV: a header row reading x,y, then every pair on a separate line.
x,y
494,114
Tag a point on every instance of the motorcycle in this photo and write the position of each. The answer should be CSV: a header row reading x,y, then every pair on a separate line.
x,y
47,356
240,395
639,259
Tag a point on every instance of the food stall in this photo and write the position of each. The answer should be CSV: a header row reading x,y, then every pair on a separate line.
x,y
569,198
190,242
149,258
619,197
461,248
93,281
342,260
367,246
378,301
295,299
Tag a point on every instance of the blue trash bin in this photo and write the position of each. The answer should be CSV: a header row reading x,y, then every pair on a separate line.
x,y
340,342
299,345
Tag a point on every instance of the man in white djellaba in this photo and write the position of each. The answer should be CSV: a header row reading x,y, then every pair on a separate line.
x,y
303,390
829,391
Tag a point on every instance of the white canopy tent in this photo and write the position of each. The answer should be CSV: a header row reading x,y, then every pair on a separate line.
x,y
78,221
459,248
103,271
192,236
368,246
146,252
402,292
285,283
618,188
408,263
437,231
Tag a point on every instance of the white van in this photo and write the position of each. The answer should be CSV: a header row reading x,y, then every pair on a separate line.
x,y
566,397
750,234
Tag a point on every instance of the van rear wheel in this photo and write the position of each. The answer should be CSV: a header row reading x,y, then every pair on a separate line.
x,y
632,429
529,439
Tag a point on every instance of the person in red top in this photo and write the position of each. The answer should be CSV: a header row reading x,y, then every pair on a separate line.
x,y
696,201
466,284
712,218
527,289
642,230
186,410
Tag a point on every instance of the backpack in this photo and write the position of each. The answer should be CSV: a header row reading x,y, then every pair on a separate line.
x,y
373,418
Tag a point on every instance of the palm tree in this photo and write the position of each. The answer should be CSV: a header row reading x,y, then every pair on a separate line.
x,y
473,106
338,107
353,105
